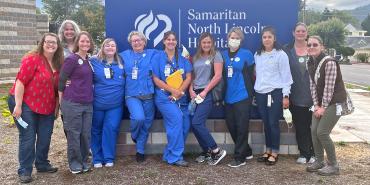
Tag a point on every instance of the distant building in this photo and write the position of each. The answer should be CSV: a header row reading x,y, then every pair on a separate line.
x,y
357,40
20,28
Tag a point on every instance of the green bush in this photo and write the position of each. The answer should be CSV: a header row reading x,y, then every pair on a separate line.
x,y
5,113
362,57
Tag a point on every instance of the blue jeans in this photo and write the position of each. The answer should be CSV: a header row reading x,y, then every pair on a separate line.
x,y
270,117
39,130
198,124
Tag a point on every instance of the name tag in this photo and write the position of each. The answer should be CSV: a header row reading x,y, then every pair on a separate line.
x,y
229,71
107,73
269,100
135,72
167,70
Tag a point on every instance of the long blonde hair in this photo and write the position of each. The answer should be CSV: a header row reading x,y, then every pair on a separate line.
x,y
101,55
199,52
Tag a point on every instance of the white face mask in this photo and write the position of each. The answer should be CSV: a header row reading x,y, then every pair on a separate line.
x,y
234,43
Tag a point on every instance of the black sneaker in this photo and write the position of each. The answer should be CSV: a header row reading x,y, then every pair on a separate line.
x,y
204,156
140,157
75,171
49,169
236,163
25,179
217,157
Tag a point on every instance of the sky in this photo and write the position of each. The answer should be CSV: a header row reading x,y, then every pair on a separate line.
x,y
336,4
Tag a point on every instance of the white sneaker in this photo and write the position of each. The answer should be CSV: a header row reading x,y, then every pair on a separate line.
x,y
109,164
301,160
249,157
98,165
312,160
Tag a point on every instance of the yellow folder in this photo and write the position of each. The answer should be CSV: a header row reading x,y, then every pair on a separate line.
x,y
175,79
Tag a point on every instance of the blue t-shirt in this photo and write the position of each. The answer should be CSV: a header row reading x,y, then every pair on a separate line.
x,y
159,65
236,90
108,93
143,84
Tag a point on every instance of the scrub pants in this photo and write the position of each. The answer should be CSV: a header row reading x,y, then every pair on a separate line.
x,y
104,132
141,115
270,117
177,124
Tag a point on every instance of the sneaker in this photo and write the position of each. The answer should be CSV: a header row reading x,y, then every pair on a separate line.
x,y
25,179
86,168
205,156
140,157
312,160
236,163
181,163
98,165
109,164
75,171
329,170
315,166
49,169
249,157
301,160
217,157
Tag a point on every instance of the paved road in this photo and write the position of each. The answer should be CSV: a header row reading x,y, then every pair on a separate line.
x,y
356,73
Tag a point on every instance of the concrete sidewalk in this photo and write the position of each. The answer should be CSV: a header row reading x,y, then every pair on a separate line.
x,y
356,126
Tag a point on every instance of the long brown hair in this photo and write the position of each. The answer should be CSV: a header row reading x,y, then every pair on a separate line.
x,y
77,40
101,55
199,52
165,36
58,57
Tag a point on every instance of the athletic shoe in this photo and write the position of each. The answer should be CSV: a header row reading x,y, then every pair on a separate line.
x,y
236,163
301,160
217,157
312,160
109,164
205,156
98,165
329,170
249,157
315,166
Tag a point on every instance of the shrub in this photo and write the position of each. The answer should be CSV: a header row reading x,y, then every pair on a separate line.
x,y
362,57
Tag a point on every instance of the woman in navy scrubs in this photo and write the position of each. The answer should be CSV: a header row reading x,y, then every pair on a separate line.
x,y
171,102
139,90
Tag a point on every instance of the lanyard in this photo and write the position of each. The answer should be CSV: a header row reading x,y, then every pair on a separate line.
x,y
170,63
138,57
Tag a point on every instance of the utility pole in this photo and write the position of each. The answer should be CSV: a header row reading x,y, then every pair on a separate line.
x,y
304,11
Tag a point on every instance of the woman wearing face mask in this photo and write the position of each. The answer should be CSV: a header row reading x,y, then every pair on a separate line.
x,y
273,81
109,84
139,90
327,89
202,84
67,33
238,67
300,97
76,103
172,102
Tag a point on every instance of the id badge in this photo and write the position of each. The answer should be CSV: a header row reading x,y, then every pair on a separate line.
x,y
134,73
269,100
107,73
339,109
229,71
167,70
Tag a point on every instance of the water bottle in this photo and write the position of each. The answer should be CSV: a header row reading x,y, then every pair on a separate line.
x,y
192,106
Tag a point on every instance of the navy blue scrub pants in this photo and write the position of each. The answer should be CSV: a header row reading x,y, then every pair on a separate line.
x,y
39,131
104,133
270,117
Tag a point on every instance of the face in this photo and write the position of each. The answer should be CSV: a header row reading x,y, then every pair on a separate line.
x,y
234,35
50,45
137,43
300,33
84,43
268,40
206,45
110,48
170,42
314,47
69,31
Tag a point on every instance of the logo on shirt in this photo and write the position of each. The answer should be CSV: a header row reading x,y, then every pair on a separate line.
x,y
147,23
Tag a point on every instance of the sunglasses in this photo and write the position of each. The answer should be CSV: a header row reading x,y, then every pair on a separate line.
x,y
314,45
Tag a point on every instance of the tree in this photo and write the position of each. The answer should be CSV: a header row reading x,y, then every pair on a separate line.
x,y
331,31
346,52
311,17
88,14
345,17
366,25
326,15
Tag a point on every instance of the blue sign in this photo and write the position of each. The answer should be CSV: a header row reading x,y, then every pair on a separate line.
x,y
190,18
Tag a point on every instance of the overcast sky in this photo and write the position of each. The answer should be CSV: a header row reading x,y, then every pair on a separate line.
x,y
336,4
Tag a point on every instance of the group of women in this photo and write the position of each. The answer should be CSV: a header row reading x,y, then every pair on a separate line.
x,y
92,90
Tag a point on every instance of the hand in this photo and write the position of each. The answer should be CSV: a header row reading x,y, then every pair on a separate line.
x,y
203,94
285,103
177,94
319,112
192,94
17,112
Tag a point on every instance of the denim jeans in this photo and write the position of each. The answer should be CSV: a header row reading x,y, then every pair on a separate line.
x,y
39,131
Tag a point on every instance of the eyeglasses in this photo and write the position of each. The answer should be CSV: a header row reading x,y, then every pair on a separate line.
x,y
50,42
137,40
314,45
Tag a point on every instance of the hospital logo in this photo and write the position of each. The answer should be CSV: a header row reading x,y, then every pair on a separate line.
x,y
147,23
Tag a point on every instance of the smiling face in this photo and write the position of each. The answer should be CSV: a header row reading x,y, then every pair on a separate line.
x,y
110,49
300,33
84,43
206,45
268,40
170,42
50,45
137,43
314,47
69,32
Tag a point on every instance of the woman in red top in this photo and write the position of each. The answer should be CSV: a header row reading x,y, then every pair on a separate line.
x,y
34,101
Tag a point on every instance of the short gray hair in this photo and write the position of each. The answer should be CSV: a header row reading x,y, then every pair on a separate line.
x,y
141,35
238,31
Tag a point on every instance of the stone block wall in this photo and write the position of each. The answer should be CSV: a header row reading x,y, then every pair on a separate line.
x,y
157,138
